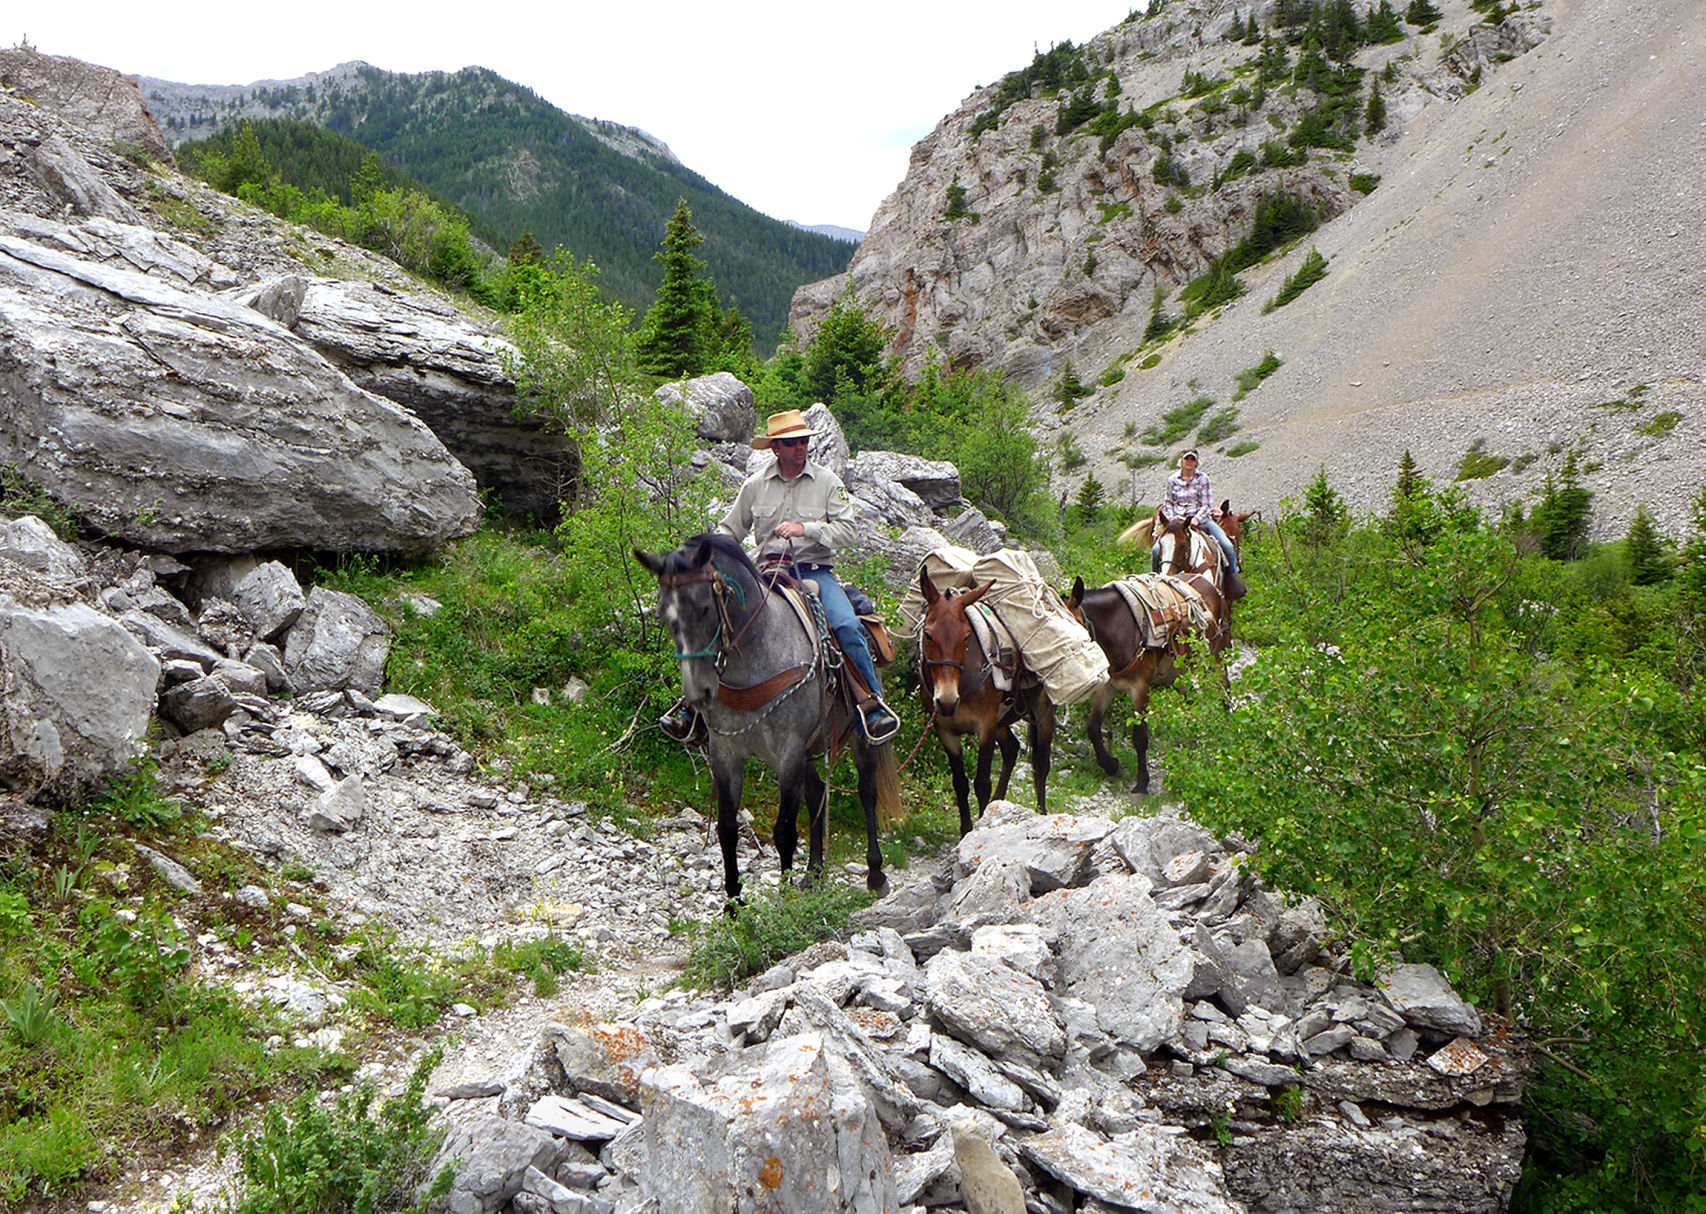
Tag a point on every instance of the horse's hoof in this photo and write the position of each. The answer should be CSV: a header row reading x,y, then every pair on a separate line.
x,y
877,883
1141,788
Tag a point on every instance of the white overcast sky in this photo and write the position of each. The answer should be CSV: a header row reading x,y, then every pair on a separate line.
x,y
805,111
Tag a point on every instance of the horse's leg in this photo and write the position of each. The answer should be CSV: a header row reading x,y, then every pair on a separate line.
x,y
1009,744
728,776
985,763
954,746
1098,713
1042,728
787,833
817,808
1140,735
866,758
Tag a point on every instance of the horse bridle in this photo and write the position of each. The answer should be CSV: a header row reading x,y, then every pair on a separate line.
x,y
766,694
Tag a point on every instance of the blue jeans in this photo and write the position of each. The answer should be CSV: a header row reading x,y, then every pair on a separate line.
x,y
844,623
1213,528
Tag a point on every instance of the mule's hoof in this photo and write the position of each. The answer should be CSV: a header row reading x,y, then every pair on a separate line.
x,y
734,906
1141,788
877,883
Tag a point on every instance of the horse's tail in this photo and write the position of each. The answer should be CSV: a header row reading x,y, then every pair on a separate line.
x,y
888,786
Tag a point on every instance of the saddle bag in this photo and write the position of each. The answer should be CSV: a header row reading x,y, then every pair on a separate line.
x,y
882,644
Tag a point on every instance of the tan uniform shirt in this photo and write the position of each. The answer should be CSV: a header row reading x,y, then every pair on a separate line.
x,y
816,499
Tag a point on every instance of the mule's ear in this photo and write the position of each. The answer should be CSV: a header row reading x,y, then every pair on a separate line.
x,y
931,595
973,595
654,564
1077,592
1226,506
1246,516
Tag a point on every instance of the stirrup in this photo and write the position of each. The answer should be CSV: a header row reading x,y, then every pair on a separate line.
x,y
684,725
885,729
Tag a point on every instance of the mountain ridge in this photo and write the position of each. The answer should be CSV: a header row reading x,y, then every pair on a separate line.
x,y
1518,278
503,153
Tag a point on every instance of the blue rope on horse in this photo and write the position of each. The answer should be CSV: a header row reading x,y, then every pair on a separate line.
x,y
710,649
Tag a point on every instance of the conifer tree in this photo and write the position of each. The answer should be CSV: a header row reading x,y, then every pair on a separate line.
x,y
1560,520
1422,14
1374,118
847,348
1091,494
1649,563
678,335
1325,515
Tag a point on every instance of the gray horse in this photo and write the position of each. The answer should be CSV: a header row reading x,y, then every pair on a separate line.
x,y
765,689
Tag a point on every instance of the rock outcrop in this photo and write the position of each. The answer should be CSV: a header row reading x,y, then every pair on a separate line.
x,y
1120,1006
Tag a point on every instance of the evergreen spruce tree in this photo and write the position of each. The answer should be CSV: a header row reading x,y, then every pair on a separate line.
x,y
1649,563
246,165
678,336
526,251
1091,495
1325,515
1383,24
1560,520
1422,14
847,348
1410,479
1374,117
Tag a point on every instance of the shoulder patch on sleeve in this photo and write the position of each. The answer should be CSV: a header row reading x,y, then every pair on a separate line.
x,y
841,494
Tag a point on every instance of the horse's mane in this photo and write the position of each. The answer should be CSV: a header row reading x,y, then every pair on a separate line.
x,y
691,555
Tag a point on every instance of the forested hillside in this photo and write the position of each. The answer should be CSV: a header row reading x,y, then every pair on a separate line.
x,y
515,163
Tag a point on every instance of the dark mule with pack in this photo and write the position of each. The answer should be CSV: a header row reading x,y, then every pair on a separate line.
x,y
1145,626
958,679
763,669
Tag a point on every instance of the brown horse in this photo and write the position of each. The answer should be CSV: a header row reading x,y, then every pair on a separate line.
x,y
1136,668
959,692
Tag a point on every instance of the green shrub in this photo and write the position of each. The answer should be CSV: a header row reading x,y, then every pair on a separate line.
x,y
1241,448
1363,183
1111,375
768,928
1149,363
1312,271
1176,423
359,1154
1221,425
1250,377
1478,463
1660,424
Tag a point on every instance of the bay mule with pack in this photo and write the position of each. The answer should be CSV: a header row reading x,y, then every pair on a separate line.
x,y
1146,625
961,668
758,661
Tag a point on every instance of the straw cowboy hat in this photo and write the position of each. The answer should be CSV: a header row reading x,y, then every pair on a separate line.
x,y
790,423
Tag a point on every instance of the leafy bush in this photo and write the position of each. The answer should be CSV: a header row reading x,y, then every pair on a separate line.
x,y
1312,271
1176,423
1250,377
1363,183
1241,448
1223,424
1660,424
1478,463
769,927
358,1155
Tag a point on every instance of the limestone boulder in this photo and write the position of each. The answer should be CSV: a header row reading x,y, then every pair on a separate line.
x,y
78,689
338,642
936,483
103,102
796,1132
491,1157
270,600
178,421
721,406
29,542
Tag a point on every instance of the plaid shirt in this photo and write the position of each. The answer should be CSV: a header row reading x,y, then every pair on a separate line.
x,y
1193,500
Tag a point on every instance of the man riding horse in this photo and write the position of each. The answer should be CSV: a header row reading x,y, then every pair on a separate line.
x,y
800,513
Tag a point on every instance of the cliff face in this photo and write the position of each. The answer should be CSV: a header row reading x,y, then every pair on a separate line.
x,y
1523,258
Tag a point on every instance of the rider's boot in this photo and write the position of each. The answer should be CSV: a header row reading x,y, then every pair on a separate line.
x,y
684,725
878,721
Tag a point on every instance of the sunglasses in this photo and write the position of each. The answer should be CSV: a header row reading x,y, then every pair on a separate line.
x,y
789,442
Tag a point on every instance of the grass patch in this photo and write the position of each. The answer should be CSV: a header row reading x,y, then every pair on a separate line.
x,y
1111,376
1478,463
1176,423
1312,271
1150,363
543,960
20,496
1364,183
1241,448
1222,425
1660,424
770,927
1250,377
360,1153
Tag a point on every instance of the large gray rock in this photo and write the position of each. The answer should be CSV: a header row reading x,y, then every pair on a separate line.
x,y
29,542
63,173
180,421
936,483
890,502
1150,1168
1150,844
491,1157
337,642
422,352
721,406
796,1132
1055,848
991,1005
101,101
1421,995
76,689
198,704
1118,953
270,599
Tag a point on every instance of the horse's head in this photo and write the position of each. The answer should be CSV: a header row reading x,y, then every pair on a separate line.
x,y
1174,541
1074,602
1234,524
944,635
692,603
